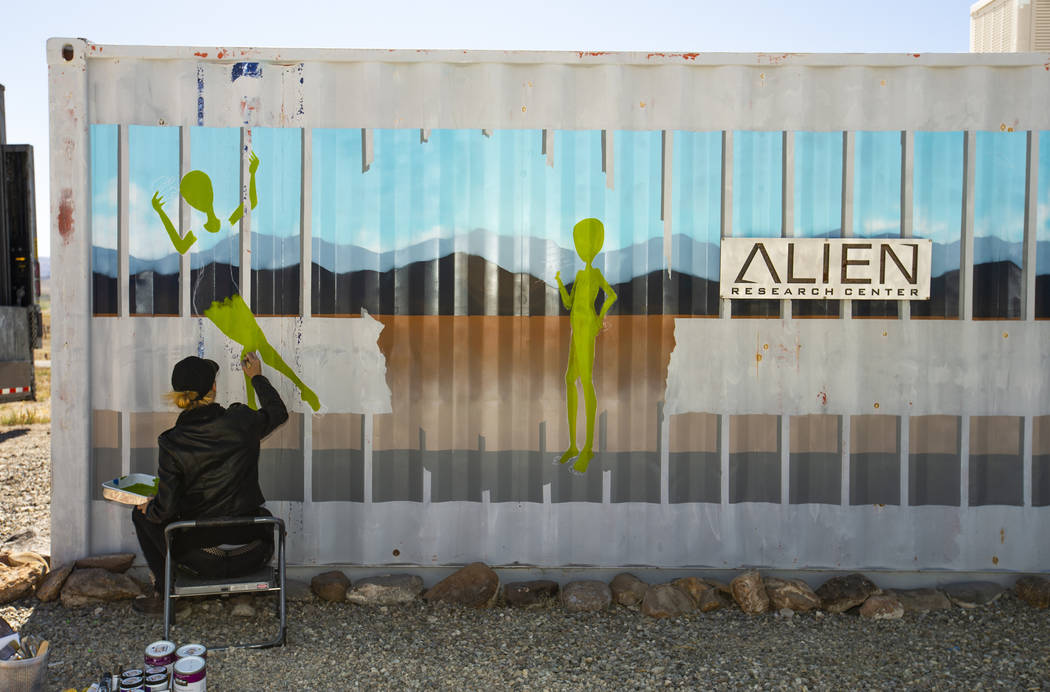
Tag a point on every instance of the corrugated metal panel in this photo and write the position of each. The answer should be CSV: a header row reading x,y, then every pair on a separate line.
x,y
397,225
1041,25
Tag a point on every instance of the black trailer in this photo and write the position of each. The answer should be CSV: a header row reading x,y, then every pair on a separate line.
x,y
20,321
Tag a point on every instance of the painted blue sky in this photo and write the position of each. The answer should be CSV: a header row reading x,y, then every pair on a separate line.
x,y
460,181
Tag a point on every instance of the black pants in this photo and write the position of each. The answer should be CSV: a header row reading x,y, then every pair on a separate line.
x,y
190,552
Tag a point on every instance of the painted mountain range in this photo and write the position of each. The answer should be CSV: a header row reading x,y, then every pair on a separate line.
x,y
518,272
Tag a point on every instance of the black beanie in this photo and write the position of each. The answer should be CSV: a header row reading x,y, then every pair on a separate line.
x,y
193,374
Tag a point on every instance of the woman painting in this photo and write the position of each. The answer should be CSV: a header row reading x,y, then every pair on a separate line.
x,y
209,467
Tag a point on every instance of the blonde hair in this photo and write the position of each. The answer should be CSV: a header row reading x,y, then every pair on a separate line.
x,y
189,399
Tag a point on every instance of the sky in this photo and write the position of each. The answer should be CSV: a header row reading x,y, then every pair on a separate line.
x,y
660,25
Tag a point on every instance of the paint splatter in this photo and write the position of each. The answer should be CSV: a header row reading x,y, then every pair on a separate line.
x,y
200,337
245,69
65,215
200,95
300,70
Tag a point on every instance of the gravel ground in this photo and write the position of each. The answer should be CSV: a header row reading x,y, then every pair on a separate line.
x,y
340,646
25,488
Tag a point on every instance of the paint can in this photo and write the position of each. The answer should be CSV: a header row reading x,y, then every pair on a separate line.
x,y
160,654
188,675
132,673
191,650
157,670
131,683
157,682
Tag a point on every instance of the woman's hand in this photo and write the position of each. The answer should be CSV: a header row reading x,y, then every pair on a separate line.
x,y
251,365
142,507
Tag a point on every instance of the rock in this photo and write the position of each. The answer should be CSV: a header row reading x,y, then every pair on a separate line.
x,y
713,599
475,585
694,587
1035,591
921,600
586,596
25,557
839,594
882,606
142,576
96,585
971,594
530,594
750,593
790,593
297,591
51,586
390,589
330,586
114,562
19,574
720,585
666,601
627,589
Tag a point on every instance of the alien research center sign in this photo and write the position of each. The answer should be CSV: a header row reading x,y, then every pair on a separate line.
x,y
825,268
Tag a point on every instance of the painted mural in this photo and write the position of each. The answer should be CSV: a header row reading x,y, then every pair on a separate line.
x,y
231,315
507,382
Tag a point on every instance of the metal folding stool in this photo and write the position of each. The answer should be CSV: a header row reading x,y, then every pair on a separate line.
x,y
266,578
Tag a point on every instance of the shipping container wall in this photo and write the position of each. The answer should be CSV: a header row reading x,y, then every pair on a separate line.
x,y
487,285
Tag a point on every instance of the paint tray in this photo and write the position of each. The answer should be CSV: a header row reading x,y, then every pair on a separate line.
x,y
117,490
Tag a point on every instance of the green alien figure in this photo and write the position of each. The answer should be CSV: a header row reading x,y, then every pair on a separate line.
x,y
588,236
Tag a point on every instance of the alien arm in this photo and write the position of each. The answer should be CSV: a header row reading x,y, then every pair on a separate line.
x,y
253,197
252,167
610,297
566,299
181,243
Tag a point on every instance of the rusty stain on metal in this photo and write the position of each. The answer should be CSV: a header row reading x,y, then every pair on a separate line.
x,y
774,59
65,215
1006,335
200,54
876,404
1002,535
995,560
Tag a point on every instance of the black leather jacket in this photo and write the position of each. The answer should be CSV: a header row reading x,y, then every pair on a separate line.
x,y
209,462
